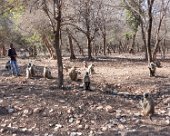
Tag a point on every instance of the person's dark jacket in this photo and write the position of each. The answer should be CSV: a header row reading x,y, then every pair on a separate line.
x,y
12,54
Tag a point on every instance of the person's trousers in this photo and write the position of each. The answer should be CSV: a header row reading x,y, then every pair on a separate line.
x,y
14,67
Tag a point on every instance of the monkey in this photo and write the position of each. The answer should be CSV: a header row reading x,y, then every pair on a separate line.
x,y
152,69
30,72
86,81
148,107
8,65
90,69
73,74
47,73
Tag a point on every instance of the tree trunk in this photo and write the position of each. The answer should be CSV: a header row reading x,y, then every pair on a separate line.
x,y
58,50
104,44
149,31
133,43
89,48
156,49
3,51
72,55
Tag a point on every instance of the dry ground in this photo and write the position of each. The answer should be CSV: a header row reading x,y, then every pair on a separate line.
x,y
40,108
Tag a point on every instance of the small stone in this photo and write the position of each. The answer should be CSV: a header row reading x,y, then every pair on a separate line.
x,y
120,126
86,126
27,112
75,134
58,125
37,110
78,121
99,107
10,110
122,120
80,126
2,130
104,128
71,120
109,109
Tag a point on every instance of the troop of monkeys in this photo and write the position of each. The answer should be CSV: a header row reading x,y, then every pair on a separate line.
x,y
73,74
147,103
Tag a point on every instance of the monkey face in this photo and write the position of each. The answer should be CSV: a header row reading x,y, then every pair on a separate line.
x,y
145,95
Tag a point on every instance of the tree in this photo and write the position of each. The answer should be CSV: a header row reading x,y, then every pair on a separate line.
x,y
53,10
158,37
85,21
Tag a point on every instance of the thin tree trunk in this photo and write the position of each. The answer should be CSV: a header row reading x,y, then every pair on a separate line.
x,y
149,31
89,48
72,55
58,50
104,44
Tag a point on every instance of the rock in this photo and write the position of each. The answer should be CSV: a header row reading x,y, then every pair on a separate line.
x,y
37,110
75,134
10,110
71,120
99,107
80,127
137,114
109,109
120,126
86,126
122,120
104,128
2,130
27,112
57,127
78,121
1,100
70,110
24,129
166,101
118,113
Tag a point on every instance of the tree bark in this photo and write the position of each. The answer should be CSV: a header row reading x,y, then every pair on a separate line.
x,y
72,55
89,48
58,50
149,30
104,44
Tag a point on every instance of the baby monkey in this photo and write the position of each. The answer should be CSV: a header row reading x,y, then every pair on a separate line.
x,y
148,107
47,73
86,81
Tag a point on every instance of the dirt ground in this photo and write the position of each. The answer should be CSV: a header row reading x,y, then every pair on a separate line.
x,y
37,106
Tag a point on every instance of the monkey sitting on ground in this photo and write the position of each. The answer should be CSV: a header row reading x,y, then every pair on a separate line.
x,y
152,69
30,71
73,74
86,81
148,107
47,73
90,69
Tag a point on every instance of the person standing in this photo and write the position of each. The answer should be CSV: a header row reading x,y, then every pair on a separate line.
x,y
14,66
